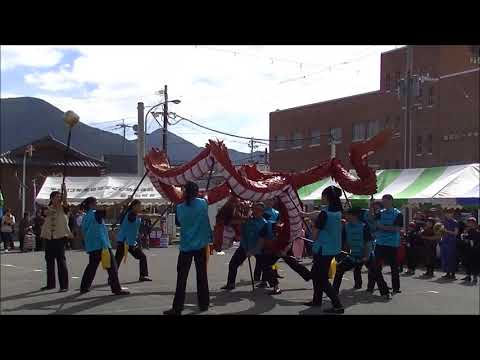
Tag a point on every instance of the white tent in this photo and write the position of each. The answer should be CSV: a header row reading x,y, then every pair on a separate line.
x,y
107,189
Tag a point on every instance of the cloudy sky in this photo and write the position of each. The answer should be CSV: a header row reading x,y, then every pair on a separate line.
x,y
230,88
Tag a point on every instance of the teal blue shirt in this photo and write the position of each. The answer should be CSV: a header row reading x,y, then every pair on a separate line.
x,y
95,234
129,230
358,239
389,217
195,230
272,216
329,239
252,230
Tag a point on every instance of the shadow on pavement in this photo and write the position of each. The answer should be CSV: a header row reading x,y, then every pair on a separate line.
x,y
350,297
89,302
48,292
262,302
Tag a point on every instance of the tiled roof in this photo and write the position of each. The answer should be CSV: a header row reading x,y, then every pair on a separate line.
x,y
6,159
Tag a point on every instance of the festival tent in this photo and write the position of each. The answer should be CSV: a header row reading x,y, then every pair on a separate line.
x,y
445,184
107,189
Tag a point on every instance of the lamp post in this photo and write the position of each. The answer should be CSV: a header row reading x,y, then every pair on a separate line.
x,y
29,151
165,122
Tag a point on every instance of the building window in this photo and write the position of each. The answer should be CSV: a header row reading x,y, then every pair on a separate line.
x,y
336,134
386,123
358,132
419,145
397,123
397,79
387,82
280,142
429,144
397,164
372,129
315,137
296,140
430,96
387,164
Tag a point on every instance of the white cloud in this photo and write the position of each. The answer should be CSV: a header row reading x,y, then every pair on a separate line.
x,y
31,56
234,93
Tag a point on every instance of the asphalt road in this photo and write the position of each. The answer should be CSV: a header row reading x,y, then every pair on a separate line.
x,y
22,275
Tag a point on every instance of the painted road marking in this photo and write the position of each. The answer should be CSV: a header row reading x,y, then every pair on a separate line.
x,y
433,292
75,277
36,270
8,265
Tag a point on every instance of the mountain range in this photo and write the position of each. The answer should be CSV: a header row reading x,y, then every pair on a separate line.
x,y
25,119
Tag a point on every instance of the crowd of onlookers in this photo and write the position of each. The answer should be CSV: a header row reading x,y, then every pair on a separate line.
x,y
12,230
427,243
32,226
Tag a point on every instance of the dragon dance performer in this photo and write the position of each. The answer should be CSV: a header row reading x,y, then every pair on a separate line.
x,y
327,245
127,237
96,241
254,232
55,231
387,240
356,235
195,236
225,231
273,217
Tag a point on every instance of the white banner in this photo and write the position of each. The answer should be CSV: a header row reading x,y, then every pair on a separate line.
x,y
107,189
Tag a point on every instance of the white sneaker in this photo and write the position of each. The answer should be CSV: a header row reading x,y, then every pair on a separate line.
x,y
221,253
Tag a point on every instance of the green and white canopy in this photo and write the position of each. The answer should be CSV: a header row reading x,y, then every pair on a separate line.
x,y
438,184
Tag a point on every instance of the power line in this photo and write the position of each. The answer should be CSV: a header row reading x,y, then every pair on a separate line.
x,y
328,68
239,136
270,58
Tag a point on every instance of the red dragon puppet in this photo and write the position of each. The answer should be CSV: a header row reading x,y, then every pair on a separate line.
x,y
247,183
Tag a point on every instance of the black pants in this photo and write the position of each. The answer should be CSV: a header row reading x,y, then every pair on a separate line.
x,y
136,252
183,268
94,259
39,242
321,265
55,250
345,266
257,272
412,257
372,275
293,263
386,255
430,255
300,269
264,261
21,240
7,240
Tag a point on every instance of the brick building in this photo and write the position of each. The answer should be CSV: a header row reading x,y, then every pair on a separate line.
x,y
47,160
444,115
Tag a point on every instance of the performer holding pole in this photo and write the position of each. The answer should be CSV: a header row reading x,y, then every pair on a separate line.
x,y
357,236
55,232
272,216
327,235
195,235
254,232
97,245
127,239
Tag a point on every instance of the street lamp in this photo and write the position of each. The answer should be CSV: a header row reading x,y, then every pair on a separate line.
x,y
165,121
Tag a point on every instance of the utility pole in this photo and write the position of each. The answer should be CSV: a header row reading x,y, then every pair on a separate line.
x,y
405,91
333,149
165,120
251,150
141,139
252,146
